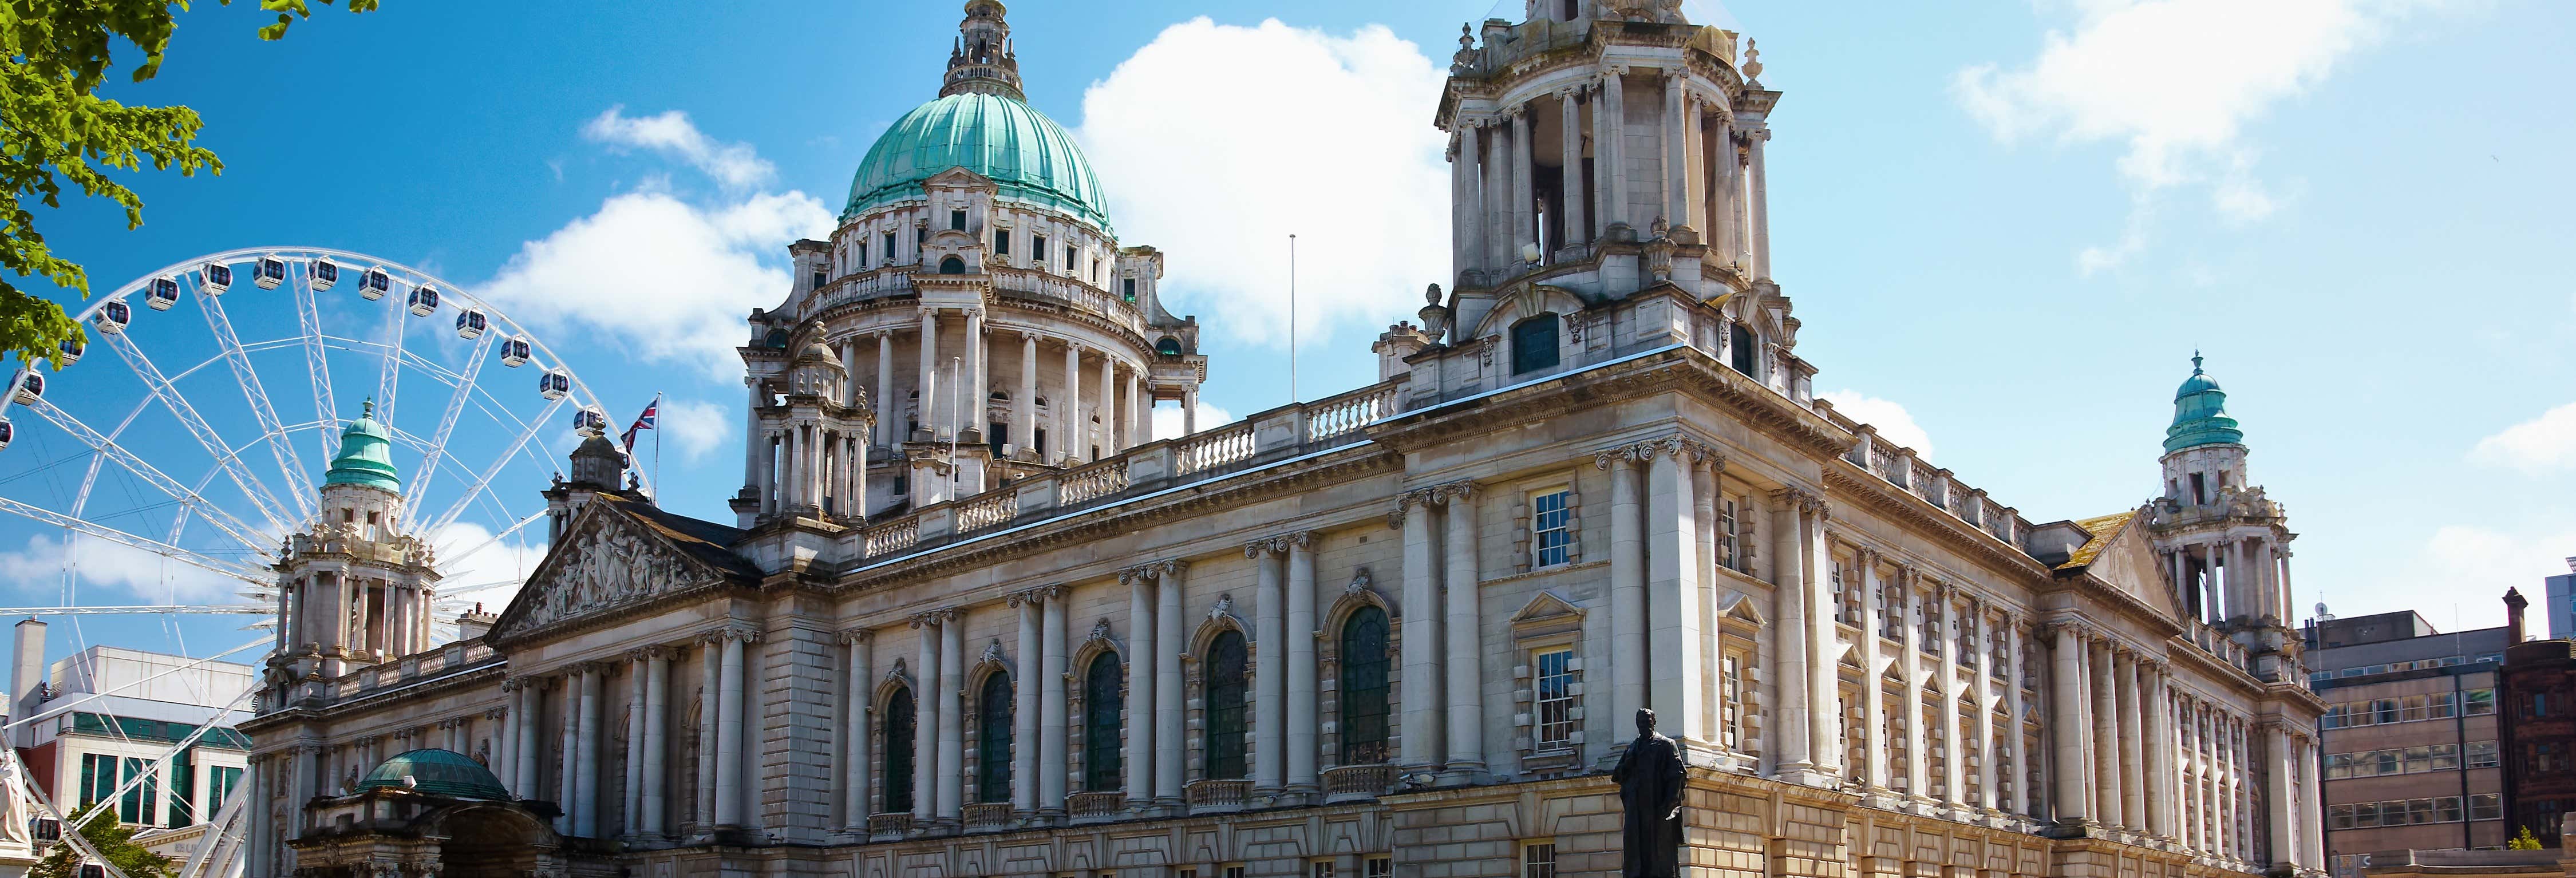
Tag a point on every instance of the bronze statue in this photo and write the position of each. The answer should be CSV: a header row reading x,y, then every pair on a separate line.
x,y
1650,795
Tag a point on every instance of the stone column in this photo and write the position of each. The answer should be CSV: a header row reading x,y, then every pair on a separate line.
x,y
632,821
729,732
1676,143
1981,690
1954,743
1462,631
858,756
1269,683
788,479
1498,203
1025,675
1143,656
2312,814
710,689
2157,712
1673,588
1052,707
888,426
1705,650
1137,433
952,718
1467,242
657,726
1109,406
2015,708
529,710
2106,738
1627,587
928,407
925,719
2133,787
1909,662
1190,410
2277,794
751,457
1614,177
1873,695
1069,408
585,798
2065,723
1825,731
978,393
1301,635
1420,684
1796,759
1024,407
1760,210
1167,686
1524,218
1570,114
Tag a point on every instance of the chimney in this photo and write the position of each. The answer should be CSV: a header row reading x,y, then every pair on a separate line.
x,y
28,670
2513,604
475,623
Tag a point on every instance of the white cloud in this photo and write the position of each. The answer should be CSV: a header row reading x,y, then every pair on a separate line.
x,y
1216,142
2543,444
733,164
669,280
1894,423
696,427
474,568
2175,82
1167,420
147,577
2484,562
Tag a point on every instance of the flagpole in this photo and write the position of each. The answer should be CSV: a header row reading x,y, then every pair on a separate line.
x,y
657,448
1292,317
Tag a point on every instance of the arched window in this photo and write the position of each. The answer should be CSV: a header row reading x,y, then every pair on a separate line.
x,y
952,265
898,752
1100,739
1534,344
1363,684
1739,340
1169,346
993,741
1225,689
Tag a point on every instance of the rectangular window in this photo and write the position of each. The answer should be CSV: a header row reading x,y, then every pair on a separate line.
x,y
1319,869
1128,289
1232,872
2481,702
2482,754
183,788
1726,554
1538,860
1730,682
889,246
1551,528
957,221
1001,242
2486,806
1554,672
1037,248
1070,260
1381,867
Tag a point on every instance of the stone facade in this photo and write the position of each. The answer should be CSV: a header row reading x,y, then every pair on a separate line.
x,y
1396,631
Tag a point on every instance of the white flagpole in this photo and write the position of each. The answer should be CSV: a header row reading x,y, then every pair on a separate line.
x,y
1292,317
657,447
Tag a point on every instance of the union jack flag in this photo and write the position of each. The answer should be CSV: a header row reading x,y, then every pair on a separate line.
x,y
651,419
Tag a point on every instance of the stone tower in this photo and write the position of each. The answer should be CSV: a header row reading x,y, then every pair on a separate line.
x,y
2225,544
353,588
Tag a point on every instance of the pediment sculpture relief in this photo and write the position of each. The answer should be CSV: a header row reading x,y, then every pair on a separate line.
x,y
612,565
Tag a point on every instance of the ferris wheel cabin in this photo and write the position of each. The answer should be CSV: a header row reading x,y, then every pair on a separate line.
x,y
514,351
71,352
590,422
323,273
375,284
470,322
424,300
554,384
161,293
7,432
31,388
215,278
112,315
268,272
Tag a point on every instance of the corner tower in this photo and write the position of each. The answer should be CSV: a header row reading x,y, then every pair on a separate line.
x,y
2224,544
353,587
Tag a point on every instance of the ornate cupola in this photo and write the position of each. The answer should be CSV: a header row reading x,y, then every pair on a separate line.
x,y
983,61
353,587
2223,543
2200,413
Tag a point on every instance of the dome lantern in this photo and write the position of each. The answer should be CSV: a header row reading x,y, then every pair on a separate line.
x,y
2200,413
366,455
982,60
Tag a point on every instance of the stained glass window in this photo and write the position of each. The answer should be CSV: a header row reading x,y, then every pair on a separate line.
x,y
1100,708
898,752
1225,689
993,741
1363,684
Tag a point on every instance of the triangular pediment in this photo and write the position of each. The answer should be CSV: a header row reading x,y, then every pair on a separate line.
x,y
2121,555
619,554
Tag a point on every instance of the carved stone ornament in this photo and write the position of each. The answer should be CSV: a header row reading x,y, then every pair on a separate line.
x,y
1224,607
609,565
1359,582
993,652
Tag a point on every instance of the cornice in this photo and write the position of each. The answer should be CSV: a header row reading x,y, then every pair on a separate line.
x,y
1845,480
1680,369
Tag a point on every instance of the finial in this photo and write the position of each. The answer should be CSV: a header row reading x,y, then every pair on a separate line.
x,y
1752,60
1431,294
368,408
2195,361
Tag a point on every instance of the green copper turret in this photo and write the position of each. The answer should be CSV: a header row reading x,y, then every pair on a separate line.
x,y
2200,413
366,455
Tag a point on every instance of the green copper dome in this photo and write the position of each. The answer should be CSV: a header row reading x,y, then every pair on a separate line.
x,y
2200,414
366,455
438,773
1028,155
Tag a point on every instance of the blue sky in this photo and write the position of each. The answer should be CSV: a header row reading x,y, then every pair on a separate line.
x,y
2006,223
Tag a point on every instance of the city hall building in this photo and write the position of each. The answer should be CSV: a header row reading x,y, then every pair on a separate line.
x,y
969,621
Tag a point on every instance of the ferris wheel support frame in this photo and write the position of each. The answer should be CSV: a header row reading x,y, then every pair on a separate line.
x,y
266,412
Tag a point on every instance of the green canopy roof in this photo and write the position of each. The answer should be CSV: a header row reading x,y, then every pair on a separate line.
x,y
2200,414
1031,158
439,773
366,455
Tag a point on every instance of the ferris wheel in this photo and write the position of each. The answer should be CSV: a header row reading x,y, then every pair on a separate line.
x,y
159,475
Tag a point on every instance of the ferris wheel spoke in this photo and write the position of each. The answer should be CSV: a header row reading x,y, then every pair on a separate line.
x,y
281,447
204,433
192,558
190,500
387,381
447,422
493,541
484,479
309,319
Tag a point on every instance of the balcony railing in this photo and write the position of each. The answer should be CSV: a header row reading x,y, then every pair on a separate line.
x,y
1900,467
1270,436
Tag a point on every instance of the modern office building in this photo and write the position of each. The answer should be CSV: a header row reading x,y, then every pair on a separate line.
x,y
126,709
2411,738
2558,596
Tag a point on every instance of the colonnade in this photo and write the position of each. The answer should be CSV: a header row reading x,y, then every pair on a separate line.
x,y
1441,684
1961,672
587,700
379,615
811,464
2241,576
1124,409
1700,179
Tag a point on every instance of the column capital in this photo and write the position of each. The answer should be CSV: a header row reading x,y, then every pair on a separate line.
x,y
1457,490
856,636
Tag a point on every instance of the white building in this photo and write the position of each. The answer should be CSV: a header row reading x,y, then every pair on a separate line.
x,y
108,715
1397,631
